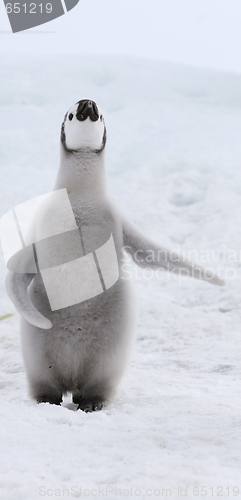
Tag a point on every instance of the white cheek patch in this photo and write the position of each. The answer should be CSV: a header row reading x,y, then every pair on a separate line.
x,y
86,134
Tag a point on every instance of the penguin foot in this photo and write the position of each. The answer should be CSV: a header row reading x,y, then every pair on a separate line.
x,y
50,400
88,406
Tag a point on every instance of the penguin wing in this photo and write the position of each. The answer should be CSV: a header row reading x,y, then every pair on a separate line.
x,y
17,290
148,254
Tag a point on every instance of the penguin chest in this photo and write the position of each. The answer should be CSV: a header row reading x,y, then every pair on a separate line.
x,y
81,264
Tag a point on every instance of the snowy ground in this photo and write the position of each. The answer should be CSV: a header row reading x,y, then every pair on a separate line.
x,y
173,159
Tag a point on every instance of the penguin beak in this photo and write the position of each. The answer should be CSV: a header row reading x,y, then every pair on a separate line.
x,y
87,109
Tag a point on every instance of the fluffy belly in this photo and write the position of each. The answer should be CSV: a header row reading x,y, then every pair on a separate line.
x,y
87,339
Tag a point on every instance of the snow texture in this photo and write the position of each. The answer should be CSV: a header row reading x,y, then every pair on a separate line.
x,y
173,160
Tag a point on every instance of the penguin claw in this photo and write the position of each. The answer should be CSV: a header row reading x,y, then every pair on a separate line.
x,y
90,406
98,406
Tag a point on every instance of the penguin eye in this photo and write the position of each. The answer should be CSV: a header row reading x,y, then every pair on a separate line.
x,y
71,116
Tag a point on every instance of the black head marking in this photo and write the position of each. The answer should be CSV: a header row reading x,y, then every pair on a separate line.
x,y
87,108
103,142
63,137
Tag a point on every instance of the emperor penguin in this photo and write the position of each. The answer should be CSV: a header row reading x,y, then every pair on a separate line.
x,y
82,345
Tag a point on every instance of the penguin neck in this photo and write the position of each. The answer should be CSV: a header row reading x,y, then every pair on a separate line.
x,y
83,175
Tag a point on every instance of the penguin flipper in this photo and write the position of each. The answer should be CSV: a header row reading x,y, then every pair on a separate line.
x,y
148,254
17,286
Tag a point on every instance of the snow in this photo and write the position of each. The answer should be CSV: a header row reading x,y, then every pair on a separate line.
x,y
173,160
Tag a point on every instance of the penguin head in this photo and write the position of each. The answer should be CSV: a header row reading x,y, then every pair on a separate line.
x,y
83,128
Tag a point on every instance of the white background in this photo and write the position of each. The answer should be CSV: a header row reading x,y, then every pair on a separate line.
x,y
173,164
197,32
